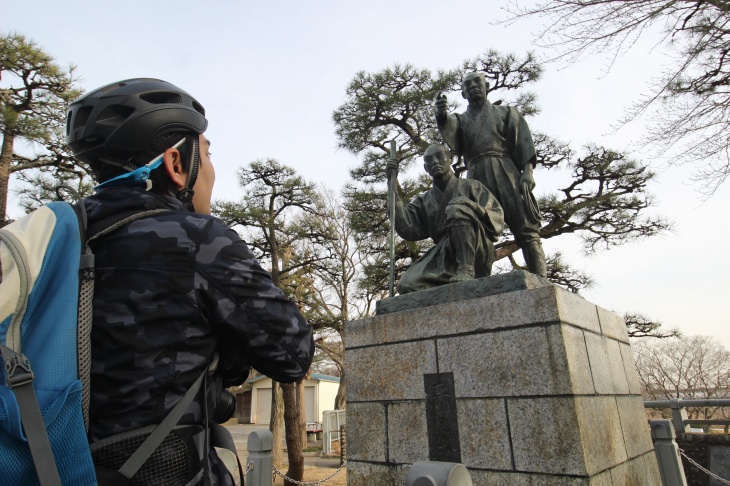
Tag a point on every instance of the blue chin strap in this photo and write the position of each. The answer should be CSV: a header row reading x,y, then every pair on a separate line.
x,y
139,176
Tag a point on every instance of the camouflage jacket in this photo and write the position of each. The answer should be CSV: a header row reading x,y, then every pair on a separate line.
x,y
171,290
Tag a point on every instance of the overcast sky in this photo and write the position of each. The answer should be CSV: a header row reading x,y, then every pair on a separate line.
x,y
270,74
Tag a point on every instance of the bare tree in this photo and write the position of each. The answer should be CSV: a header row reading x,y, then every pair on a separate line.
x,y
339,292
689,103
693,367
271,218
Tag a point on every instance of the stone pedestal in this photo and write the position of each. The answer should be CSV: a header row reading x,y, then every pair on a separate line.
x,y
533,385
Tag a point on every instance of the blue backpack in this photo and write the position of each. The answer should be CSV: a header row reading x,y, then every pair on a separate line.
x,y
41,397
46,290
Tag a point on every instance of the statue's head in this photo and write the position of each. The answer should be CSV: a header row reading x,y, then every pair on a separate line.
x,y
474,87
437,160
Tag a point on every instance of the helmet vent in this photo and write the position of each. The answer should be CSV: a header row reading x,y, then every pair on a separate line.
x,y
82,116
90,142
198,107
109,88
161,97
115,114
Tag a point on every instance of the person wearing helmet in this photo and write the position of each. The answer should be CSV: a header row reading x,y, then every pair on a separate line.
x,y
175,291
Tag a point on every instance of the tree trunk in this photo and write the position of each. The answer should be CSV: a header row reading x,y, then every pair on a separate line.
x,y
276,425
6,157
340,397
293,435
302,409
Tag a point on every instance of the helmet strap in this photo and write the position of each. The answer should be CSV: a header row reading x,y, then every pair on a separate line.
x,y
185,195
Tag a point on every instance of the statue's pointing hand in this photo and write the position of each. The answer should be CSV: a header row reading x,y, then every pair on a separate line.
x,y
440,106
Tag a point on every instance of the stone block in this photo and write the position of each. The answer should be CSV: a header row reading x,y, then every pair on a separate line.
x,y
366,432
495,478
576,352
392,372
635,426
577,311
600,369
632,375
407,432
604,479
536,306
546,436
527,361
616,367
488,313
365,474
652,468
484,434
612,325
633,472
601,434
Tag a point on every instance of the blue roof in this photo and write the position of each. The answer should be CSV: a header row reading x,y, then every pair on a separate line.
x,y
315,376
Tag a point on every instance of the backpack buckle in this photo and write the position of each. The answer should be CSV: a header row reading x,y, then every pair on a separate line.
x,y
17,371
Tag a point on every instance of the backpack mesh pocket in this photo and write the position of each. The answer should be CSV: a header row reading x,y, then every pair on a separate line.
x,y
174,462
66,435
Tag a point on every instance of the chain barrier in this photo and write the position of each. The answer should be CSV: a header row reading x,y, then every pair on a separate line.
x,y
310,483
245,473
695,464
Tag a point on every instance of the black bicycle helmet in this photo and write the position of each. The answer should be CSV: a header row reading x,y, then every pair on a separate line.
x,y
122,118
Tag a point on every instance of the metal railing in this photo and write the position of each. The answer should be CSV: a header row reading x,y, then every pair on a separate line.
x,y
680,420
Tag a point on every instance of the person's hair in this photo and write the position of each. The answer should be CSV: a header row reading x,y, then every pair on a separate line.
x,y
161,184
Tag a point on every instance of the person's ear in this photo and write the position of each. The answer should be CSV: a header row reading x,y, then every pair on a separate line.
x,y
463,92
172,161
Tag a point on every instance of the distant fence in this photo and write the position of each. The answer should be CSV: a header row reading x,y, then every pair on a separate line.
x,y
332,421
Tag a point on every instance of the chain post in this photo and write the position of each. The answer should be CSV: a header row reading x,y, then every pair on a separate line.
x,y
667,453
260,461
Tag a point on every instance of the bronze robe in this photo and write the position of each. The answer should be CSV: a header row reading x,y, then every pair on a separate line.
x,y
429,215
496,144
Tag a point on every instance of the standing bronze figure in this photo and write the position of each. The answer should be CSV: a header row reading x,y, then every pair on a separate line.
x,y
499,152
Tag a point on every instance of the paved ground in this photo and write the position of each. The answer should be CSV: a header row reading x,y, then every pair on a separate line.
x,y
240,432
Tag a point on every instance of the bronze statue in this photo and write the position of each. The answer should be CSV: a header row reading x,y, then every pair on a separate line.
x,y
498,151
460,215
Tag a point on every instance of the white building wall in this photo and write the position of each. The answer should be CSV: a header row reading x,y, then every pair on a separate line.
x,y
318,396
327,394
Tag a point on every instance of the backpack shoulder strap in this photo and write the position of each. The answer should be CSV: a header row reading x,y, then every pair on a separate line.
x,y
145,450
86,290
20,380
115,222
